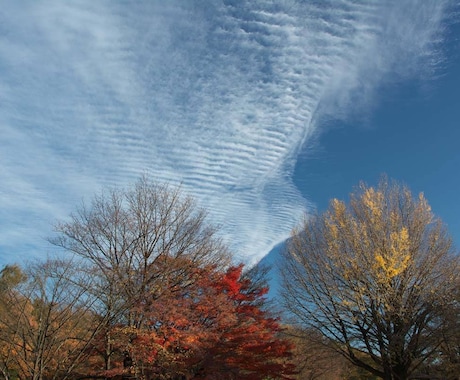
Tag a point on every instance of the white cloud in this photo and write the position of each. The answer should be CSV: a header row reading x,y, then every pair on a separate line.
x,y
215,96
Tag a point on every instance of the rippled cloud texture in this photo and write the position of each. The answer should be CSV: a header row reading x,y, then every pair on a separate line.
x,y
219,96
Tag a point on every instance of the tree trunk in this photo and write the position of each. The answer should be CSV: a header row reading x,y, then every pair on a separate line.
x,y
396,372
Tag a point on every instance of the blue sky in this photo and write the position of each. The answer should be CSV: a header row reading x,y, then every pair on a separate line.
x,y
412,134
261,110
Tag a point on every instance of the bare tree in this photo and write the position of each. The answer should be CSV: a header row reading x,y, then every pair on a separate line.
x,y
137,240
47,319
446,363
377,276
314,358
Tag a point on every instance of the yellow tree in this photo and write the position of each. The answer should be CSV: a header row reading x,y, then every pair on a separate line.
x,y
47,320
376,275
10,277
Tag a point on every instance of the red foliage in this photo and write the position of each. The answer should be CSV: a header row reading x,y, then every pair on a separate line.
x,y
213,328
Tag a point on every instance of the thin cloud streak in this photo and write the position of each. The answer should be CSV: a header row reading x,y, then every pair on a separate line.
x,y
219,97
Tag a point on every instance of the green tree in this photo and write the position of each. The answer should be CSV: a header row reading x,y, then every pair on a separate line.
x,y
378,276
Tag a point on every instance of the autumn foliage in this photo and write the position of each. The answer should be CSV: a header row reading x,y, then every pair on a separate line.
x,y
148,293
212,328
378,276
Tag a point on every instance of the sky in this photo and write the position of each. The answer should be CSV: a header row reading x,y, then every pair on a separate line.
x,y
261,110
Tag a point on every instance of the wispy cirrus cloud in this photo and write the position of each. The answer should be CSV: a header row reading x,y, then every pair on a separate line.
x,y
218,96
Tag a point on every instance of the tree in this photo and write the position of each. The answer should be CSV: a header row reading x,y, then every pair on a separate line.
x,y
127,233
139,242
378,276
214,329
10,277
445,364
314,358
46,319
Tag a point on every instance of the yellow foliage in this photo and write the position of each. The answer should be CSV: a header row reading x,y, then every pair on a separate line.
x,y
337,215
374,263
395,261
372,235
333,230
373,201
394,219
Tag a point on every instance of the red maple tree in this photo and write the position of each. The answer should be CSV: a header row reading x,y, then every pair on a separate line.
x,y
212,328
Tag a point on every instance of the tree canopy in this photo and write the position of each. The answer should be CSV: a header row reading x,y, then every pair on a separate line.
x,y
149,291
377,276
